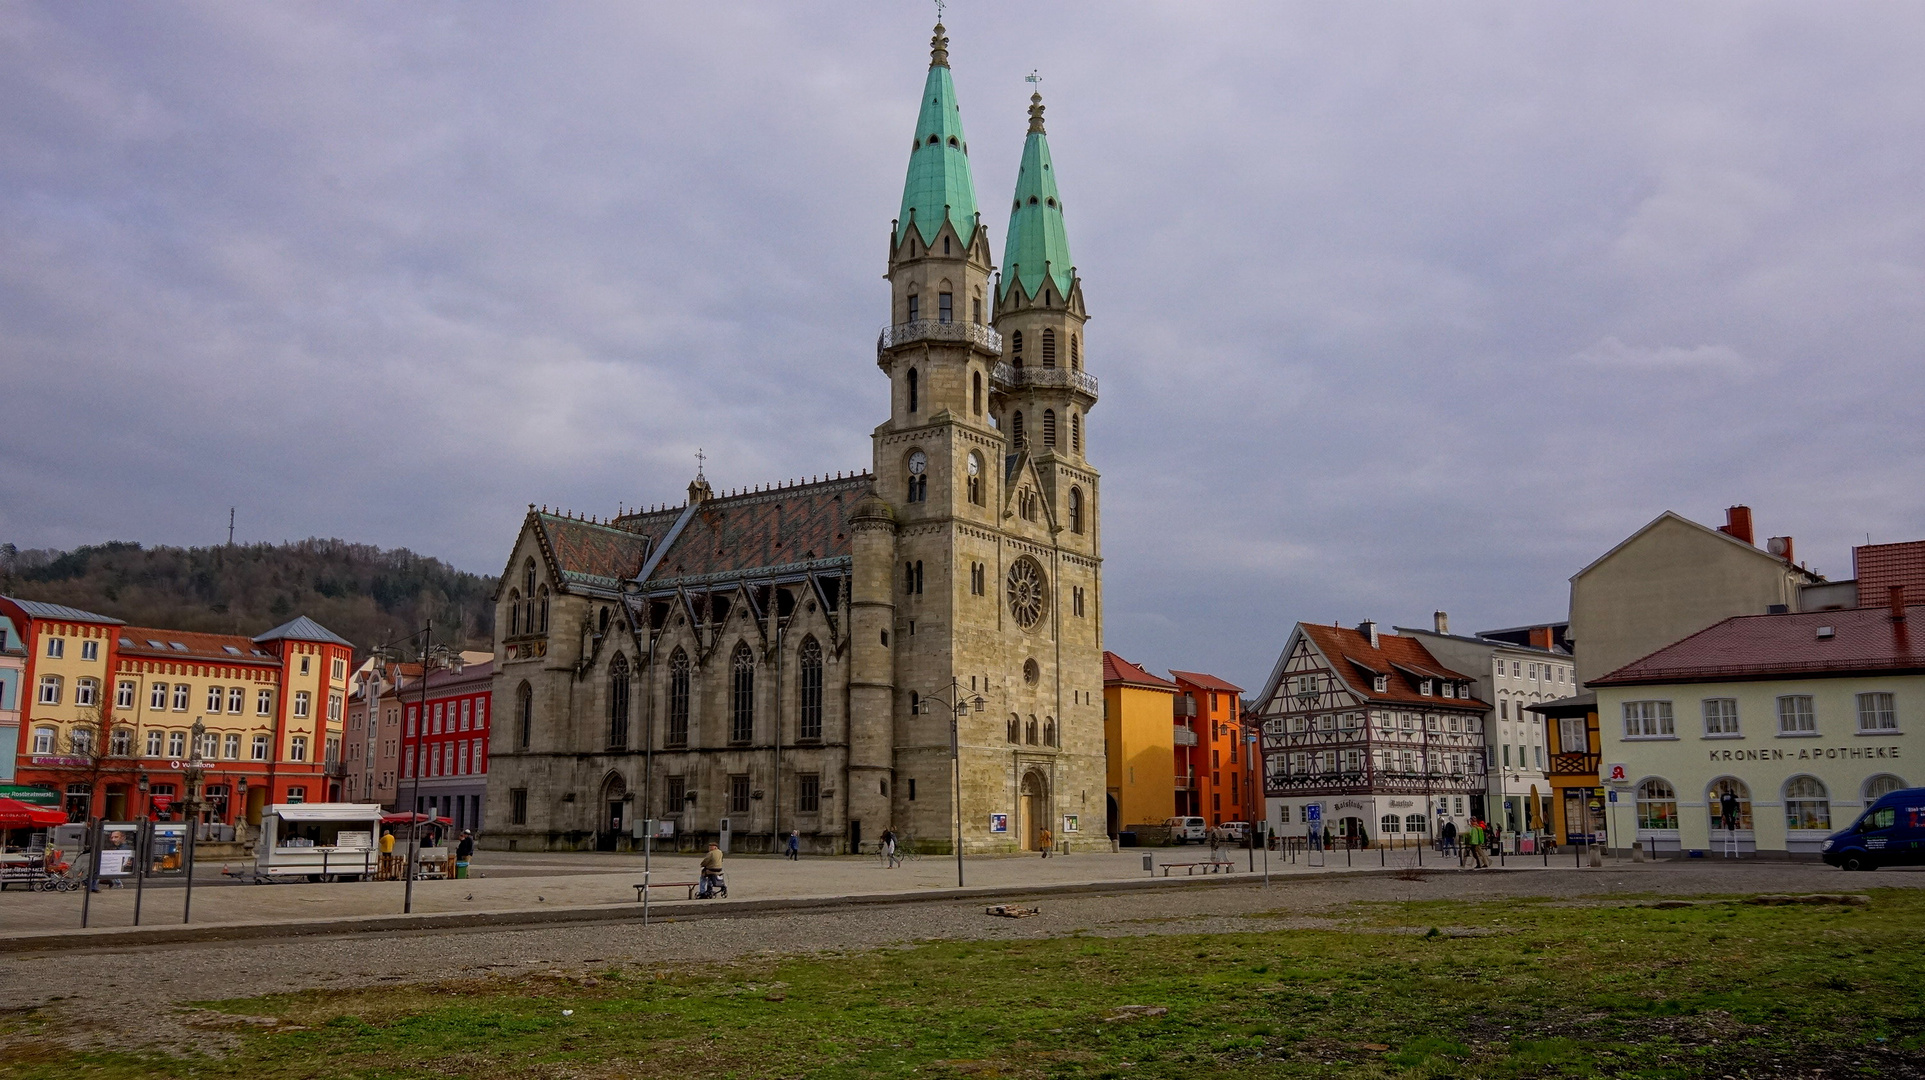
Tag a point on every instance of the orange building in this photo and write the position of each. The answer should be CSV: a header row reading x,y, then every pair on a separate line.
x,y
1212,773
112,708
1138,743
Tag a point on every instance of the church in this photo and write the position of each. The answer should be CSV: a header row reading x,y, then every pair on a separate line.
x,y
915,648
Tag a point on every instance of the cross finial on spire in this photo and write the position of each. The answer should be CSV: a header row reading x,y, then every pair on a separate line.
x,y
1035,81
700,460
939,42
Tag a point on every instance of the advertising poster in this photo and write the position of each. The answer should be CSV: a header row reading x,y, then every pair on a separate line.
x,y
999,823
1069,822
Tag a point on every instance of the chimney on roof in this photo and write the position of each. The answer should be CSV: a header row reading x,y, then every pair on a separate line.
x,y
1737,522
1898,603
1440,622
1368,628
1781,547
1540,637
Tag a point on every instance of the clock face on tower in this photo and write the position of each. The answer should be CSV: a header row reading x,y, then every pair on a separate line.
x,y
975,465
918,463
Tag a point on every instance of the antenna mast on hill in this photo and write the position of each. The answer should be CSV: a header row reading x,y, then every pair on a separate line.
x,y
230,526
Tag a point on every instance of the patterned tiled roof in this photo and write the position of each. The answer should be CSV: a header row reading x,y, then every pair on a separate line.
x,y
302,628
1404,660
1766,646
147,641
1120,672
593,553
763,530
1878,567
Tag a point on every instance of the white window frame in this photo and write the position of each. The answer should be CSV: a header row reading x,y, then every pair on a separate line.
x,y
1797,716
86,692
259,751
154,742
1725,721
90,651
301,702
177,744
216,696
297,748
1650,718
181,691
56,648
124,694
236,700
50,689
231,746
1884,721
264,703
45,739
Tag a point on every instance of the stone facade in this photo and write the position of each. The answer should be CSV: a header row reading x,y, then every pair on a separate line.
x,y
792,657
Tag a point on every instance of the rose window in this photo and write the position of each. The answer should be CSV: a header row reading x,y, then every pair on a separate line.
x,y
1025,591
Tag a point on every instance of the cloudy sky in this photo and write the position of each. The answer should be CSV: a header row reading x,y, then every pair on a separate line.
x,y
1396,307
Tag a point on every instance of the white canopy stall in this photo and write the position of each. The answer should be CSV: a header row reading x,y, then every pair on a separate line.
x,y
319,841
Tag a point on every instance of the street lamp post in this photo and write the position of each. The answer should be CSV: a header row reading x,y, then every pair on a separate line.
x,y
431,656
958,705
194,771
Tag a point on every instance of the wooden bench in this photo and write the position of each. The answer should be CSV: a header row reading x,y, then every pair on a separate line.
x,y
1210,866
691,886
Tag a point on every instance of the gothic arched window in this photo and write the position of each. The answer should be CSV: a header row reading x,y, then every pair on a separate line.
x,y
1075,354
915,302
1075,510
618,703
1016,428
1015,728
1029,730
514,612
1049,348
742,694
913,396
541,606
678,670
1076,432
1049,731
976,385
1049,427
945,302
524,715
810,715
528,594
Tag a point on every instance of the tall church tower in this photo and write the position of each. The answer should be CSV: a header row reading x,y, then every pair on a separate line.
x,y
990,598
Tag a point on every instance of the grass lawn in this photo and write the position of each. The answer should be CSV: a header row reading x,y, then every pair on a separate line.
x,y
1512,989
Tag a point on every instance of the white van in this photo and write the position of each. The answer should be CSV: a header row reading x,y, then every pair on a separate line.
x,y
1187,830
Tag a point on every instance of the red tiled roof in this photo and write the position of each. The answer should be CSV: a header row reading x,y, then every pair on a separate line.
x,y
1207,682
1878,567
1762,646
134,642
1120,672
805,523
1395,655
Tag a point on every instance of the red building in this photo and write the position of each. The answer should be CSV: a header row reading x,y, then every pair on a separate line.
x,y
446,737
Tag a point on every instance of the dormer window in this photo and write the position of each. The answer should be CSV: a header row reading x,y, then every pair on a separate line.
x,y
1450,690
1380,684
1423,687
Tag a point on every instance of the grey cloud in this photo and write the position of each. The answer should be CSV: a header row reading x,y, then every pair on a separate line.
x,y
1395,308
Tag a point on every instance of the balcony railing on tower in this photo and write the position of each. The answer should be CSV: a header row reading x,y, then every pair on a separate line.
x,y
1009,376
936,330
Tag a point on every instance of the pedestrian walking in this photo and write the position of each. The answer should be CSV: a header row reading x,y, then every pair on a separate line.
x,y
1448,837
1475,839
463,852
387,855
795,846
1046,839
889,858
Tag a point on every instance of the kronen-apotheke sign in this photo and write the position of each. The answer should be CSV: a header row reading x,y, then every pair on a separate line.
x,y
1810,753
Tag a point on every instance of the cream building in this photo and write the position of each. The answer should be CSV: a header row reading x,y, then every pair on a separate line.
x,y
1671,579
1517,751
790,657
1801,718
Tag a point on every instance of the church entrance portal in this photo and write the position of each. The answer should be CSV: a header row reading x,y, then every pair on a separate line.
x,y
610,831
1035,810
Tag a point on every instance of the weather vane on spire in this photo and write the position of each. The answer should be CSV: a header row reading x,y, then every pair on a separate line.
x,y
940,5
1034,79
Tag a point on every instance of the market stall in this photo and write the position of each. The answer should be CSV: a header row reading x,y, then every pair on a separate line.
x,y
318,841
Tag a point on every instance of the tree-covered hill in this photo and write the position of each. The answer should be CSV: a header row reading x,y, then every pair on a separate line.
x,y
360,592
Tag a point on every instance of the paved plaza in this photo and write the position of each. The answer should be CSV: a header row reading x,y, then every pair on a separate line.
x,y
525,881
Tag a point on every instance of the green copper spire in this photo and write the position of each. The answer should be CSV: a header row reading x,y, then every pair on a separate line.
x,y
939,179
1037,246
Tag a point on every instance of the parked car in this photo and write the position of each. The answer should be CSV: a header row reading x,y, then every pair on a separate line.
x,y
1187,830
1232,832
1891,832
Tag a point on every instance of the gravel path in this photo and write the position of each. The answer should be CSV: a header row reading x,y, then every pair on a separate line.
x,y
123,997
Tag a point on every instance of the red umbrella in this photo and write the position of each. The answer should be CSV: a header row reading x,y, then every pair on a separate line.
x,y
15,814
403,819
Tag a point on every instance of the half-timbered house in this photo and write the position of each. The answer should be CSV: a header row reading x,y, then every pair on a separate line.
x,y
1372,731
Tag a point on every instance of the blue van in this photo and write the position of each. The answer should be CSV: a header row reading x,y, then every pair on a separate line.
x,y
1889,833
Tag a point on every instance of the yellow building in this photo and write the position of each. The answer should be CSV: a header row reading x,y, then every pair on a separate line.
x,y
1139,737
